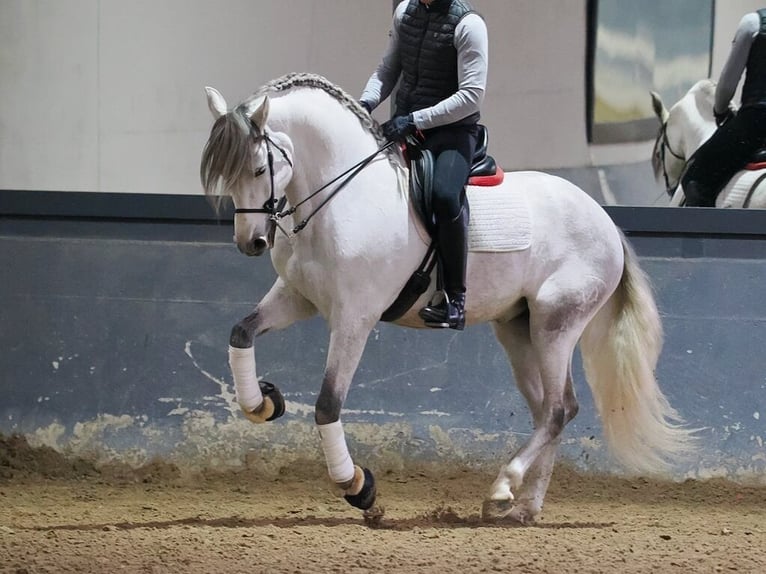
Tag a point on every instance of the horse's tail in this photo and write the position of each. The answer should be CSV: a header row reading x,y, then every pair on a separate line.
x,y
620,348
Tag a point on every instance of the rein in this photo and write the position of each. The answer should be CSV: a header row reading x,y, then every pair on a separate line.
x,y
273,207
353,171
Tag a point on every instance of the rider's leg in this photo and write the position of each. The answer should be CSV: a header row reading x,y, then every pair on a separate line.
x,y
453,149
722,156
452,240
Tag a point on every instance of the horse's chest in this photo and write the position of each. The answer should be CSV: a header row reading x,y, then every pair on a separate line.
x,y
308,277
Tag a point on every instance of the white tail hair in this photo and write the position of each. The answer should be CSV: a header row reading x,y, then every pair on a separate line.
x,y
620,348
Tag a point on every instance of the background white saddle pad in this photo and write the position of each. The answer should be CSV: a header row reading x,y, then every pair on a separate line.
x,y
500,220
737,190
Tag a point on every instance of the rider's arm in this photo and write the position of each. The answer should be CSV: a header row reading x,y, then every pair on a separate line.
x,y
735,64
471,43
384,78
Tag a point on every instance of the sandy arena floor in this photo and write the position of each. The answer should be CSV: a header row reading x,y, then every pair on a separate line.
x,y
64,516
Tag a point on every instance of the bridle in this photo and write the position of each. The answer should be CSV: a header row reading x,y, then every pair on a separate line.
x,y
662,140
273,207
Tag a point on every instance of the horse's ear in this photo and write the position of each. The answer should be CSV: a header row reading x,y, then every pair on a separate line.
x,y
215,102
659,108
257,109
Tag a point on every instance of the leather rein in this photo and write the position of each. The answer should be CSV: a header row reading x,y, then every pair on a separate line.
x,y
273,207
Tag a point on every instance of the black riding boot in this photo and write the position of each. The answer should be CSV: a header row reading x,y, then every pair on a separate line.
x,y
697,196
452,239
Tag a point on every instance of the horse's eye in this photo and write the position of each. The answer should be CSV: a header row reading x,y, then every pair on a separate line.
x,y
260,171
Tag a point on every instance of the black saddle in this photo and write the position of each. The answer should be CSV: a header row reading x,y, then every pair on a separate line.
x,y
483,163
422,170
758,157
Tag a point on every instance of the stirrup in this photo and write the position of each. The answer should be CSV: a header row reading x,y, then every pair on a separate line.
x,y
437,316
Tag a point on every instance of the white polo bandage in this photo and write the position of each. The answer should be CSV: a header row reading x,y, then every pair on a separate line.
x,y
339,463
242,363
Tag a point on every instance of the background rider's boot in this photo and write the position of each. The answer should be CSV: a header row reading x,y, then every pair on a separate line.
x,y
452,237
697,196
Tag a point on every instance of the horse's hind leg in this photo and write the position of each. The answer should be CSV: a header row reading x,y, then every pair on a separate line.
x,y
281,307
552,407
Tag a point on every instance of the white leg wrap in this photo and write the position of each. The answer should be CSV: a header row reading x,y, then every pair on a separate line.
x,y
242,363
339,463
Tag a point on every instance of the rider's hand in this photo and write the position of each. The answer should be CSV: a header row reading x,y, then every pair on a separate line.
x,y
366,106
398,128
721,119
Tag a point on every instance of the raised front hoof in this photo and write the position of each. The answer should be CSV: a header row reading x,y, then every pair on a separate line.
x,y
272,407
272,392
506,512
365,498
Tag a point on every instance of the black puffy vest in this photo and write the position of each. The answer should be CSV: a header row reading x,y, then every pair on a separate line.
x,y
428,56
754,89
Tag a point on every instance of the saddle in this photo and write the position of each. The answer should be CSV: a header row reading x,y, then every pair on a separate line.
x,y
758,161
484,173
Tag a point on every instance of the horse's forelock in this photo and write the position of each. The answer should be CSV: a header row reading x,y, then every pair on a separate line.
x,y
226,154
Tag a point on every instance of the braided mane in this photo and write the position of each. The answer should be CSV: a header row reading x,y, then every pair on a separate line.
x,y
308,80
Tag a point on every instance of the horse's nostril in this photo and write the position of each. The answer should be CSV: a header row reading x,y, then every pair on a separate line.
x,y
254,247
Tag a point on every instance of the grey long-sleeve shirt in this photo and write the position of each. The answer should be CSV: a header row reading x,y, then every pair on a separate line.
x,y
471,43
731,73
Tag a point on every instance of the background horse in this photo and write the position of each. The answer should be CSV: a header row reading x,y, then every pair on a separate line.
x,y
689,124
567,275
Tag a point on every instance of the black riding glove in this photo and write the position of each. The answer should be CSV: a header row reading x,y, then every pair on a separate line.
x,y
366,106
721,119
398,128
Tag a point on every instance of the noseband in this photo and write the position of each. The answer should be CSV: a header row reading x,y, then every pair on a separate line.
x,y
662,139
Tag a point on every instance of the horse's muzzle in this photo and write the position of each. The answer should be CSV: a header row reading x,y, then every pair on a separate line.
x,y
254,247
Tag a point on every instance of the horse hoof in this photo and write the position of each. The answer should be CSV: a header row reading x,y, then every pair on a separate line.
x,y
494,510
272,392
272,407
373,516
365,498
507,512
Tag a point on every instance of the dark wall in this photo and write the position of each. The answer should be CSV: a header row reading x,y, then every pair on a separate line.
x,y
115,337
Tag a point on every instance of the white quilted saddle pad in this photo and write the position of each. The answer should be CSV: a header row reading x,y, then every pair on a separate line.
x,y
500,219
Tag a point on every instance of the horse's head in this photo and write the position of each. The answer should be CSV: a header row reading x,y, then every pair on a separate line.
x,y
242,159
683,128
668,158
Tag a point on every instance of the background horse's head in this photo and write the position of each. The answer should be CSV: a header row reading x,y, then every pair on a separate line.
x,y
683,128
245,161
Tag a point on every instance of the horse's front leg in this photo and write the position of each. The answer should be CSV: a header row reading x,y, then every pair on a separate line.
x,y
347,342
282,306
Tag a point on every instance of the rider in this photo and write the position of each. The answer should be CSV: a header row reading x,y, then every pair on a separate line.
x,y
438,50
738,136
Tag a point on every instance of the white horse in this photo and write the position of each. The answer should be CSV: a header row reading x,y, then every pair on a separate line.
x,y
683,129
568,275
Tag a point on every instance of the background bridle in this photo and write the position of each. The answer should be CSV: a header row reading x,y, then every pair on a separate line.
x,y
662,138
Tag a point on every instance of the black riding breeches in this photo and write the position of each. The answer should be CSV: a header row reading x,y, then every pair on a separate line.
x,y
726,152
453,148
